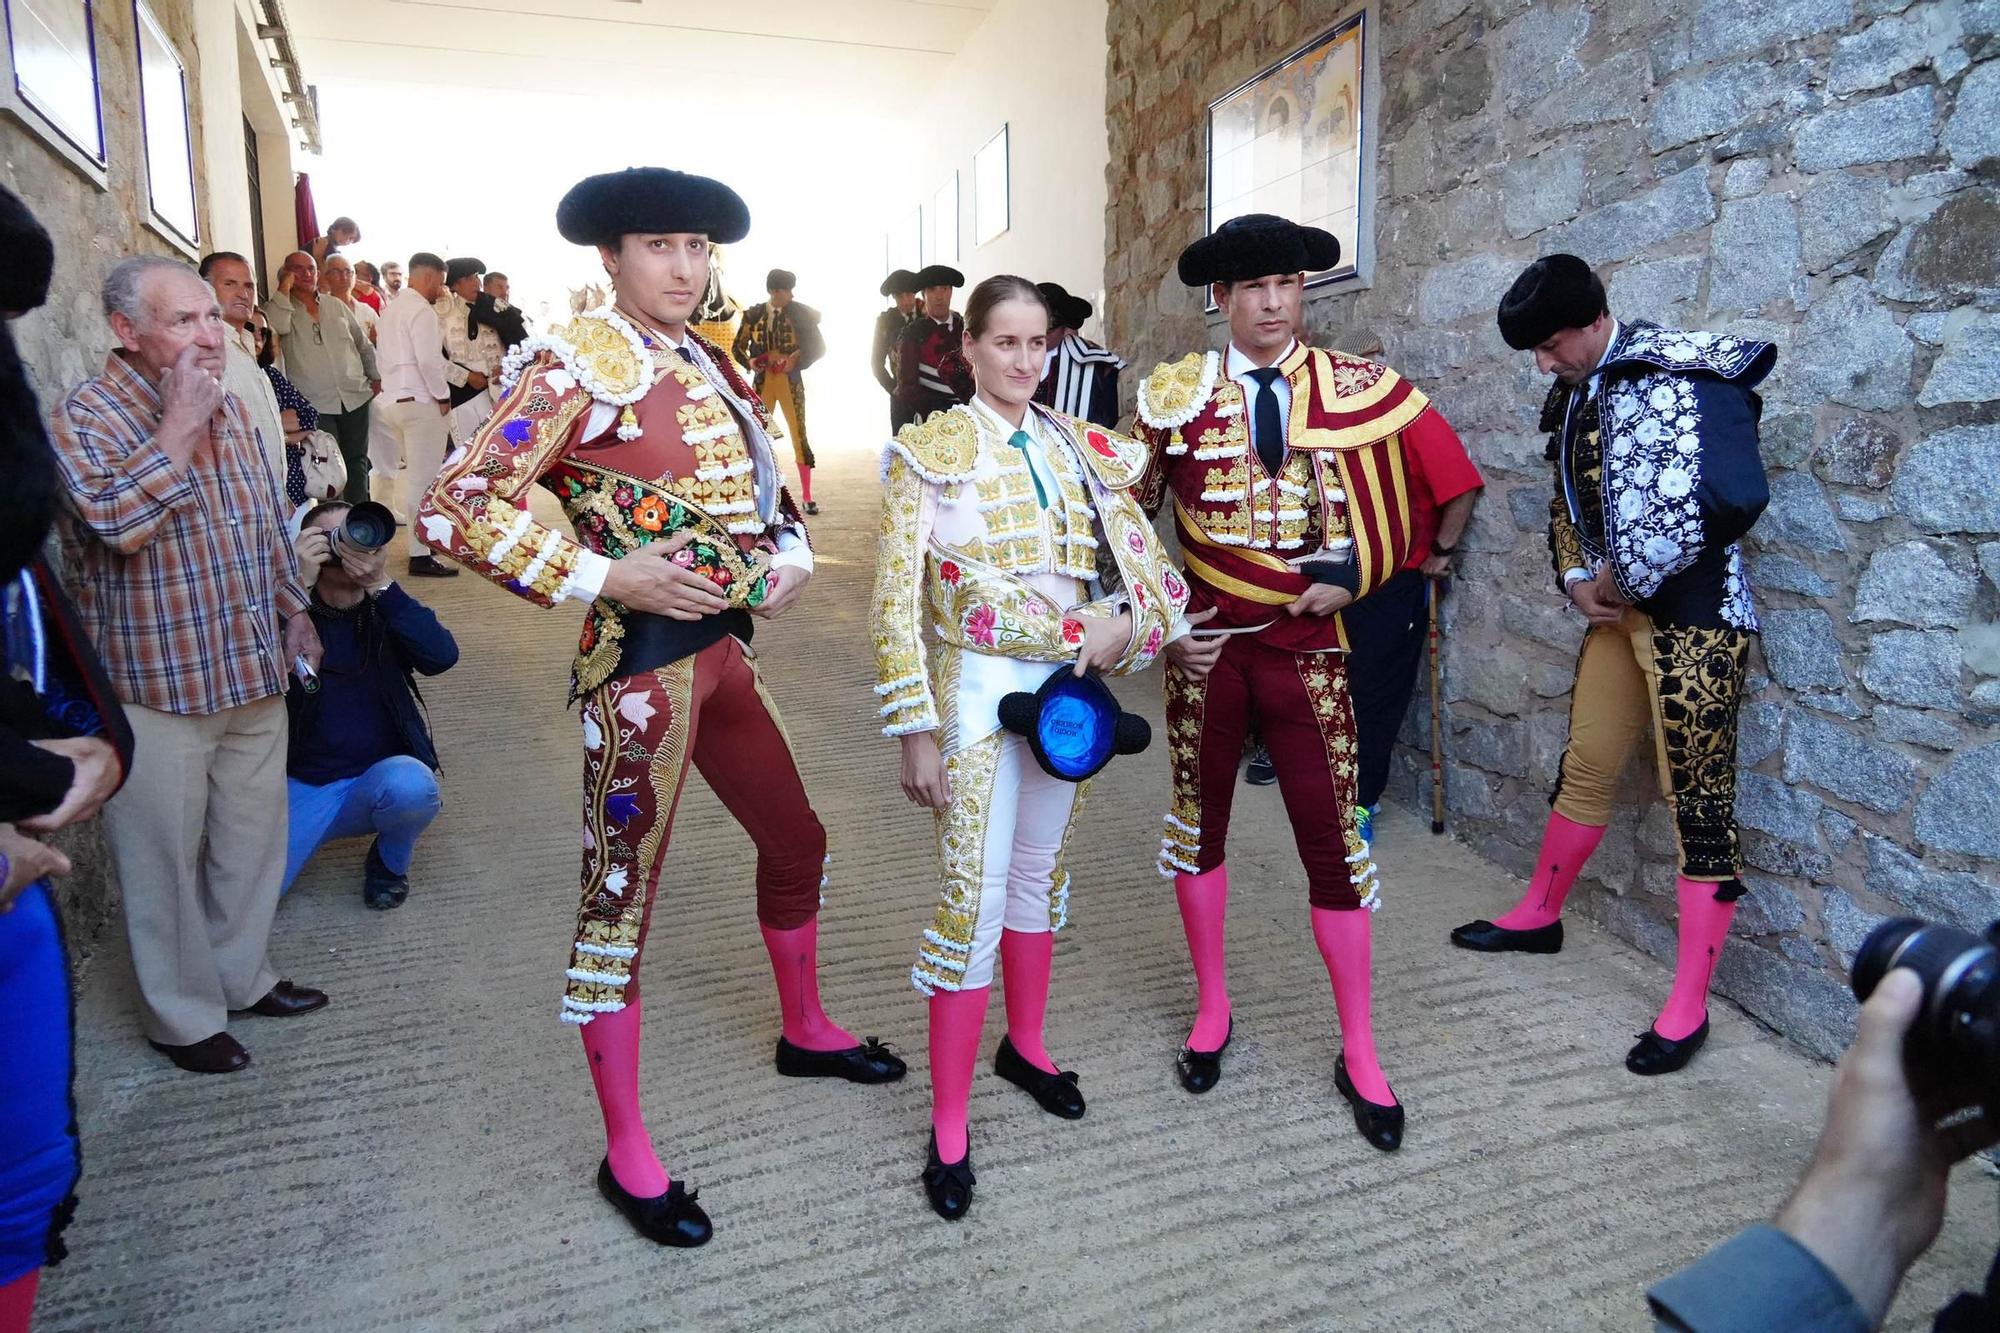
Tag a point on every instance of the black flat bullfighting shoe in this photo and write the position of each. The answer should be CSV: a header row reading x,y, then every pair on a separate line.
x,y
1202,1070
1656,1055
1057,1092
870,1062
673,1218
949,1185
1485,937
1381,1125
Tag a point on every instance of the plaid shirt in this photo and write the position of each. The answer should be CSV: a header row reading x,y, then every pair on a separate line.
x,y
183,576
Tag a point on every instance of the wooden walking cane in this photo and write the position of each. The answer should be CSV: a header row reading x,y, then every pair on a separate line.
x,y
1431,593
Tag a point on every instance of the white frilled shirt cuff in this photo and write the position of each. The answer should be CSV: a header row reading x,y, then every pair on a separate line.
x,y
793,553
588,581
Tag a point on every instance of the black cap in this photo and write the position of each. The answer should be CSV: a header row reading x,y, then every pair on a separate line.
x,y
939,275
900,283
1554,293
1257,245
457,270
600,209
1066,311
780,280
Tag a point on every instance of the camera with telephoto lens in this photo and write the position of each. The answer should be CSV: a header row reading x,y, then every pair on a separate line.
x,y
1955,1041
367,528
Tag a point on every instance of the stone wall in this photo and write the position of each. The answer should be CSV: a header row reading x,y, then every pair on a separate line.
x,y
1822,173
66,341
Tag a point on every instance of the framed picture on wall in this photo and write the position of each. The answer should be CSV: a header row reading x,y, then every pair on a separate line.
x,y
1290,142
944,223
163,106
992,206
52,77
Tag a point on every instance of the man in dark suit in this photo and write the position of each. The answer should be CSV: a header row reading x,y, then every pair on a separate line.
x,y
901,286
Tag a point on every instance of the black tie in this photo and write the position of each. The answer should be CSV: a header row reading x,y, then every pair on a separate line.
x,y
1267,428
687,353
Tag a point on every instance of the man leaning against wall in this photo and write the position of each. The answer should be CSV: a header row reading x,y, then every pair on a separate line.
x,y
184,580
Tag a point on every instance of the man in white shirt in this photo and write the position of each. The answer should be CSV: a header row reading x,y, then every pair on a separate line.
x,y
416,393
328,356
236,291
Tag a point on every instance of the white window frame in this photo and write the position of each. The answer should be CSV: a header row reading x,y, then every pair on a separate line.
x,y
146,24
21,105
1356,272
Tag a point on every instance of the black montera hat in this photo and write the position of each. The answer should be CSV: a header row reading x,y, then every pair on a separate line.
x,y
939,275
1067,312
457,270
600,209
1073,724
1257,245
900,283
1554,293
780,280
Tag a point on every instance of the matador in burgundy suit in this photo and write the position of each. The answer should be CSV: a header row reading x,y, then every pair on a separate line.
x,y
659,455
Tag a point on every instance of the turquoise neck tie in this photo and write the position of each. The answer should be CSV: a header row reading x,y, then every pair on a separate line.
x,y
1019,439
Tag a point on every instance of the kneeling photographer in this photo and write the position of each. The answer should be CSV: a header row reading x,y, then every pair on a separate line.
x,y
1914,1094
361,757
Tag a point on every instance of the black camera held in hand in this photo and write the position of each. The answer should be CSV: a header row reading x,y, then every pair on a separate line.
x,y
367,528
1955,1042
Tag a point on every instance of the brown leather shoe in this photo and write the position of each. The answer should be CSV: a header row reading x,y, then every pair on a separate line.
x,y
220,1054
289,1001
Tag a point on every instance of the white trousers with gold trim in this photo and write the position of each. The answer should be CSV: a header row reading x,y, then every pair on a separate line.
x,y
1000,852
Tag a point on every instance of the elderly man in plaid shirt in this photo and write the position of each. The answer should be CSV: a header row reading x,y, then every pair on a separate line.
x,y
186,582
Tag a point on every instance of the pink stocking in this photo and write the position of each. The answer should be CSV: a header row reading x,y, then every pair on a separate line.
x,y
956,1018
1345,940
1566,845
1704,929
611,1042
17,1301
806,483
1204,900
1026,958
795,964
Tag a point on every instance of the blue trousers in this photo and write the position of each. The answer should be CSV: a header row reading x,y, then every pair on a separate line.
x,y
38,1157
396,800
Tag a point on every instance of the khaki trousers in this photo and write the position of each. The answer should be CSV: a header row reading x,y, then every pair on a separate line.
x,y
198,838
1684,685
423,432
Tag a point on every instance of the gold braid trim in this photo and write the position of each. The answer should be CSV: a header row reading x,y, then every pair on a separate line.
x,y
520,549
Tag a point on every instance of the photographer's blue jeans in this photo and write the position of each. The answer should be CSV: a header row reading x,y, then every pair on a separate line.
x,y
396,800
38,1158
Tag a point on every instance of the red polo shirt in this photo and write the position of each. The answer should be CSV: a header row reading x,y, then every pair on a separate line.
x,y
1440,471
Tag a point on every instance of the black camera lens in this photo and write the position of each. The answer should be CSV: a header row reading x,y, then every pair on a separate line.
x,y
1957,1032
368,527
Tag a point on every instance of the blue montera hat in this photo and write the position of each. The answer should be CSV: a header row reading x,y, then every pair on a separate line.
x,y
1074,724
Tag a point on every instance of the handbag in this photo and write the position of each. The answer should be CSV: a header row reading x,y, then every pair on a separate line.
x,y
325,470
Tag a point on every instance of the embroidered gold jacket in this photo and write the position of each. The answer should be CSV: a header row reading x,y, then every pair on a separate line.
x,y
1342,492
940,594
678,460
